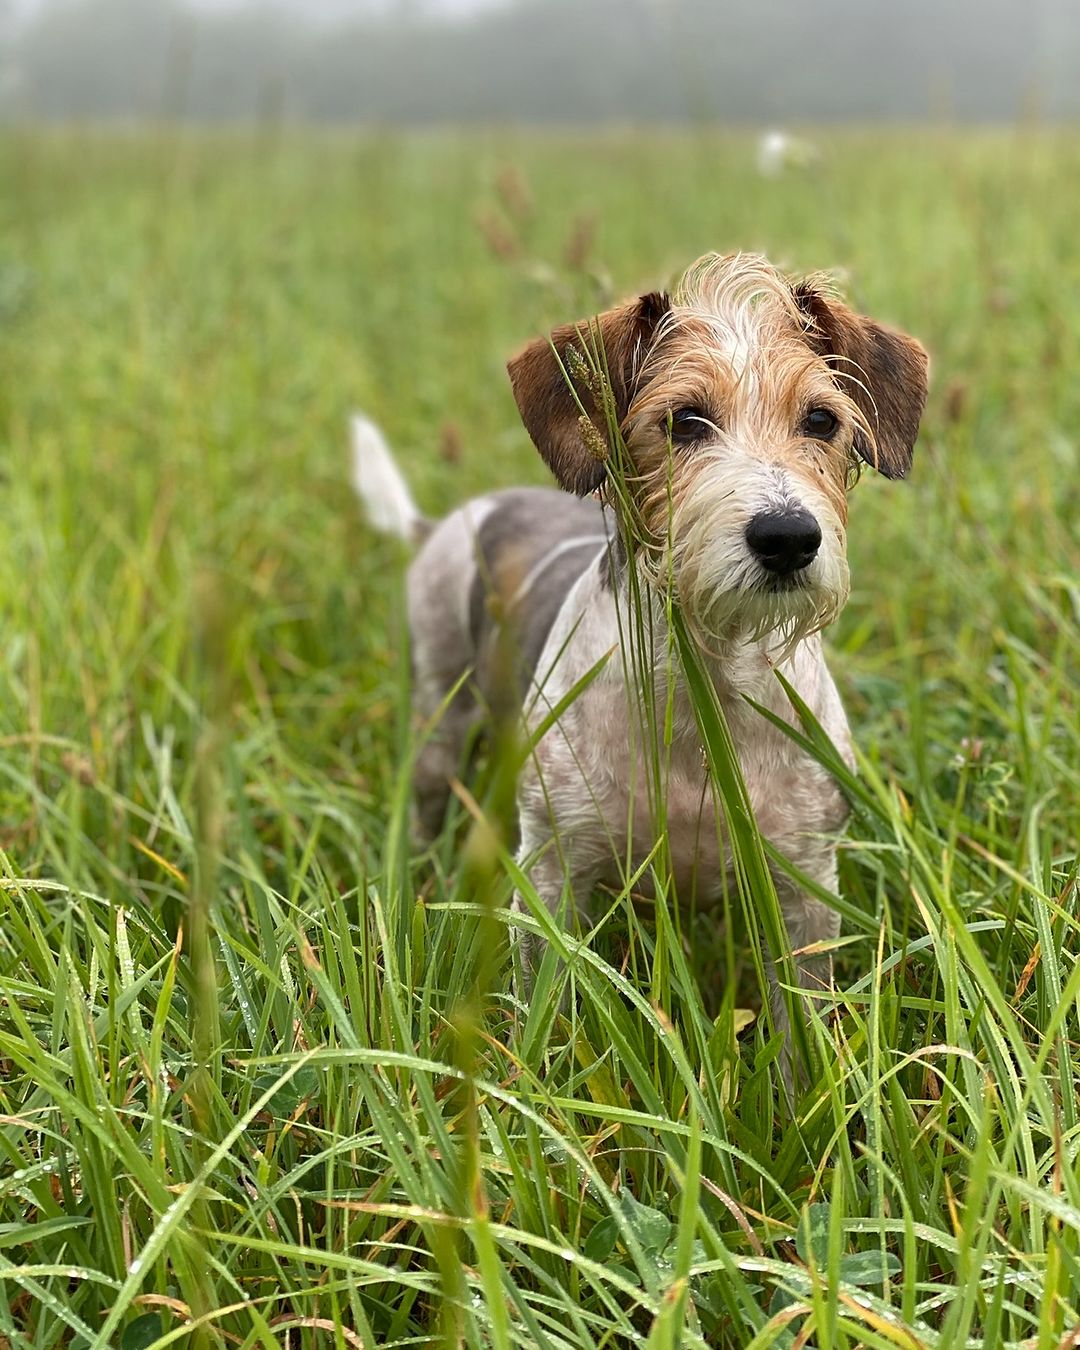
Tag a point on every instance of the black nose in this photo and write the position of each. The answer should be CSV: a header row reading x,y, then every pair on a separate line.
x,y
784,541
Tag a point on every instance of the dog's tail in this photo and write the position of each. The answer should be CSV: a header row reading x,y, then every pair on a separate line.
x,y
384,494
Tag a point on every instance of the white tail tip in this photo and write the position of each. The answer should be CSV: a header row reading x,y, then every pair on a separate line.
x,y
383,492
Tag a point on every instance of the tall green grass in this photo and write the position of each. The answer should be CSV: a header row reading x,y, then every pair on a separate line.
x,y
265,1078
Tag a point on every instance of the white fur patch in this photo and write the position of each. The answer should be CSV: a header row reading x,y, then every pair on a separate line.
x,y
387,501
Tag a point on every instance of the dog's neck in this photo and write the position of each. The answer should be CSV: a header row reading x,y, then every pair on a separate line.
x,y
740,668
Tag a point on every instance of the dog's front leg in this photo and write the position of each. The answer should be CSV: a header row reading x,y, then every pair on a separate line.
x,y
809,923
548,878
562,873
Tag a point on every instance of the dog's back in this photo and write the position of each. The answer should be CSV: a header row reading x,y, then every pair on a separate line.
x,y
484,590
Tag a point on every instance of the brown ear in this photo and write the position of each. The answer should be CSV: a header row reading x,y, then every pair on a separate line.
x,y
553,381
883,371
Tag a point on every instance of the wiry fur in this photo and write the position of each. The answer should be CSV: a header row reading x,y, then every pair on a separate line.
x,y
734,342
755,354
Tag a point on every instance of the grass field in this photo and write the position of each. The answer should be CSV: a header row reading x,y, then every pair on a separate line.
x,y
263,1081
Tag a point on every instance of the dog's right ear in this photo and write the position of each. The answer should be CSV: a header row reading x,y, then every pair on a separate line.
x,y
553,380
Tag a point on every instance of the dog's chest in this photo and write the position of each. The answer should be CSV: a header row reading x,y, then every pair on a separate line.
x,y
614,783
646,790
789,796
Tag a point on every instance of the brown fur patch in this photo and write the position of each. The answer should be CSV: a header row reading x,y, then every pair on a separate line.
x,y
553,382
884,372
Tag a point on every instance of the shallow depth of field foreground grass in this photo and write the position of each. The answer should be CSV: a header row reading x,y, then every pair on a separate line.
x,y
264,1081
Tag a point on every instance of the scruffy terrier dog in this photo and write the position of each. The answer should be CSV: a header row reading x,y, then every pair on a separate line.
x,y
744,403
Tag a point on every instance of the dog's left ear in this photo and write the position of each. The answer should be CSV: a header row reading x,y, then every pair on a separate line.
x,y
554,379
883,371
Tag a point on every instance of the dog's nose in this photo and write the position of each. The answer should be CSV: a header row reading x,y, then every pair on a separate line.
x,y
784,541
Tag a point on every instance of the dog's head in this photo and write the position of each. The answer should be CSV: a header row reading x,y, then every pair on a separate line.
x,y
745,402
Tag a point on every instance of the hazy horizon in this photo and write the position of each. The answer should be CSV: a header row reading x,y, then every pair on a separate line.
x,y
542,61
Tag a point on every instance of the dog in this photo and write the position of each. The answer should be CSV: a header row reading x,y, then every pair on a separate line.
x,y
726,421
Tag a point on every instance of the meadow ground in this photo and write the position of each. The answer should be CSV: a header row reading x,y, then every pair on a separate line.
x,y
264,1081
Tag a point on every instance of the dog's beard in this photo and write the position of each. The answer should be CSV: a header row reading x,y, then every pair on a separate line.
x,y
748,604
725,593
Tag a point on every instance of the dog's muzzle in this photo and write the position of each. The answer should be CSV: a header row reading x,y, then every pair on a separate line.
x,y
784,542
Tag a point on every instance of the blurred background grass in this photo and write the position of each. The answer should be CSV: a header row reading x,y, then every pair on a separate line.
x,y
188,320
202,703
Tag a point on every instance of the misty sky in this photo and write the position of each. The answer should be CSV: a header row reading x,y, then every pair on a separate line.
x,y
328,10
424,62
336,9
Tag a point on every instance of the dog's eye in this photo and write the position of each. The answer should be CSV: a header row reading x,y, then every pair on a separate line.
x,y
688,424
820,423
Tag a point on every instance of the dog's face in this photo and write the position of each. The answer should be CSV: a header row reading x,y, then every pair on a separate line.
x,y
744,403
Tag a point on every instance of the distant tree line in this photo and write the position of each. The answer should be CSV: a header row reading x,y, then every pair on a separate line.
x,y
569,61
